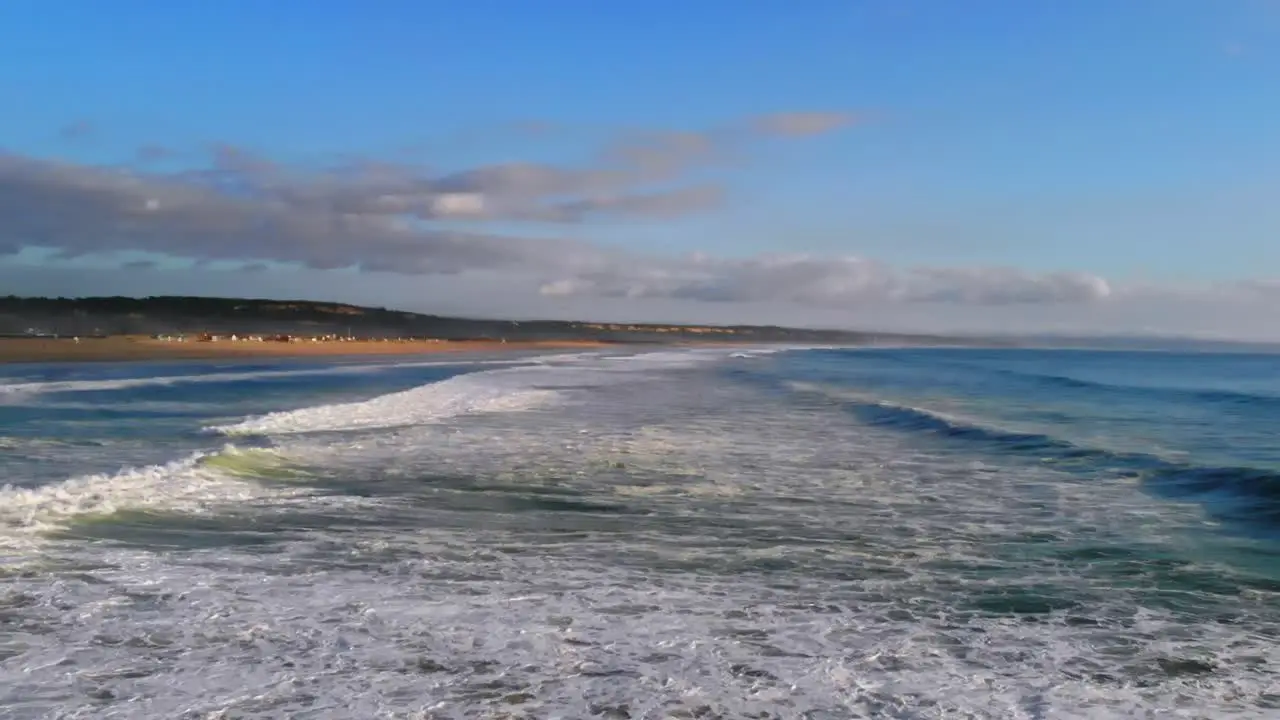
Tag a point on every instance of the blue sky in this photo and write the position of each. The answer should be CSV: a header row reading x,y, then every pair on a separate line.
x,y
1137,141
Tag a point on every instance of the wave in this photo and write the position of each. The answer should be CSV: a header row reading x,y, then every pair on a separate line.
x,y
669,359
13,390
237,476
1241,493
425,404
258,463
765,352
1236,397
1231,397
72,386
505,390
885,413
23,442
196,483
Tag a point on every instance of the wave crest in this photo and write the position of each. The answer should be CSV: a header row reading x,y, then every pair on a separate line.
x,y
1245,494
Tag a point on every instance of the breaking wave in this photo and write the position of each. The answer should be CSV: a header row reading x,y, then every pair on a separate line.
x,y
200,482
429,403
19,389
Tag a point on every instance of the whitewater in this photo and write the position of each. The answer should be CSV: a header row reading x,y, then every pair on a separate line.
x,y
817,533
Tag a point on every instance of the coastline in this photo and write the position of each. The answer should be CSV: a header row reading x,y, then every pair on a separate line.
x,y
126,348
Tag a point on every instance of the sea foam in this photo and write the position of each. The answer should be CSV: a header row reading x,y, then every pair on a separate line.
x,y
192,484
23,389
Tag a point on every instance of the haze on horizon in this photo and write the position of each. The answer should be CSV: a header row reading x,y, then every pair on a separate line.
x,y
990,165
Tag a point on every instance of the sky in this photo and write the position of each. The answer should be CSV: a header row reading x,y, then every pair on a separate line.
x,y
1092,166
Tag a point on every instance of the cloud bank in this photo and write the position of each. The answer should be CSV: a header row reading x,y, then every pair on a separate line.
x,y
810,280
375,216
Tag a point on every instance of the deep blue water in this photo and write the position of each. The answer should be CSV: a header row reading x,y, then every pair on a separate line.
x,y
1202,427
878,533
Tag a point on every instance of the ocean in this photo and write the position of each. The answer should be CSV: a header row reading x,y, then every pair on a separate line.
x,y
669,533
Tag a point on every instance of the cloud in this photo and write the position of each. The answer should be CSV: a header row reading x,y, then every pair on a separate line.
x,y
243,207
658,205
1258,288
246,213
1003,286
1169,310
836,282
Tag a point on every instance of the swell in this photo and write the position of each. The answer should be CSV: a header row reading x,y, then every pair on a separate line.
x,y
921,359
1220,397
1238,493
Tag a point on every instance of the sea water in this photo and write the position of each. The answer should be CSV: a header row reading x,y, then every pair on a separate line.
x,y
684,533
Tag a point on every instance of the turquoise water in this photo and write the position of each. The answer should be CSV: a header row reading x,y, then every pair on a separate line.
x,y
685,533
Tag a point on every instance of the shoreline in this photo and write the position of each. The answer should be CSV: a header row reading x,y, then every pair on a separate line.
x,y
131,348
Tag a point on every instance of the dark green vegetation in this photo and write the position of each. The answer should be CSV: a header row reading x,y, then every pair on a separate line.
x,y
93,316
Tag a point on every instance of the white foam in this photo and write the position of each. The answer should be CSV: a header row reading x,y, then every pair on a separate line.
x,y
185,485
775,349
671,359
566,357
505,390
71,386
429,403
190,485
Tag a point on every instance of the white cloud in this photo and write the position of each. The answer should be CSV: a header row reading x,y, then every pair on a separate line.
x,y
828,281
455,204
1003,286
378,218
1227,311
400,221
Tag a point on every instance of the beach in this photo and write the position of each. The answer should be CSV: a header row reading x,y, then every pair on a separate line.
x,y
135,347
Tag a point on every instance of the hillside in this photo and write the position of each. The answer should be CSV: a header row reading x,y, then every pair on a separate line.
x,y
91,316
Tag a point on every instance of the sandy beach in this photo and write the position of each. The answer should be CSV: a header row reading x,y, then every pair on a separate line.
x,y
138,348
